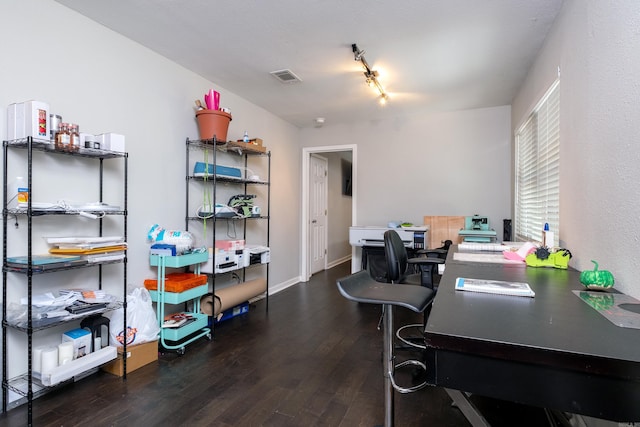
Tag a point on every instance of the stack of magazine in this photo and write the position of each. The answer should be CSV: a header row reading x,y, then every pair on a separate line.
x,y
499,287
177,320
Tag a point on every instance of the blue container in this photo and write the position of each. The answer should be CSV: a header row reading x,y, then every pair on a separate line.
x,y
200,168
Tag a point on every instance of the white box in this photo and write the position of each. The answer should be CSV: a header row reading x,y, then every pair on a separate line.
x,y
15,121
81,339
29,118
37,120
111,141
229,245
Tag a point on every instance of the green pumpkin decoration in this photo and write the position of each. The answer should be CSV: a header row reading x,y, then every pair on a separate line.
x,y
597,279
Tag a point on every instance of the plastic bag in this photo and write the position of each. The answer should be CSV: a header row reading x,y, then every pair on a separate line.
x,y
142,323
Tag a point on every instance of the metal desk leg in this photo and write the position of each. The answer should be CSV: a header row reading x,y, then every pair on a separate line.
x,y
389,365
467,408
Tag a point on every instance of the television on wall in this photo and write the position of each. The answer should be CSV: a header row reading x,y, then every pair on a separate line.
x,y
346,177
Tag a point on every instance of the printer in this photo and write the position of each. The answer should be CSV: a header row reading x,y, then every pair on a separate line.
x,y
414,237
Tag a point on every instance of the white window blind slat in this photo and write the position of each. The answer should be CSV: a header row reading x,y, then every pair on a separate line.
x,y
538,170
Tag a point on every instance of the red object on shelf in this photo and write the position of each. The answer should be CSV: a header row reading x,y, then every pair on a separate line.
x,y
177,282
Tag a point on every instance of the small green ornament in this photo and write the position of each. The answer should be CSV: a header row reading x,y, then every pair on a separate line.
x,y
596,279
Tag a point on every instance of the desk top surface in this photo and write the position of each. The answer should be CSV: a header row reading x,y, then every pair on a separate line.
x,y
554,327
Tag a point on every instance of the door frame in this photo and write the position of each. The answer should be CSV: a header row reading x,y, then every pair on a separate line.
x,y
304,235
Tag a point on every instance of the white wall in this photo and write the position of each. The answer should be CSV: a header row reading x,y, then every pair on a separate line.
x,y
454,163
107,83
595,44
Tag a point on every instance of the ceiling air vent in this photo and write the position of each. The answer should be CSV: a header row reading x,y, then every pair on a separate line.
x,y
286,76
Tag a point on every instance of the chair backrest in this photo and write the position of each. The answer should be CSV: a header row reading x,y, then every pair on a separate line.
x,y
396,256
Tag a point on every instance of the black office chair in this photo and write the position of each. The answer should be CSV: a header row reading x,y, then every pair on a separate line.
x,y
362,288
402,270
410,271
430,270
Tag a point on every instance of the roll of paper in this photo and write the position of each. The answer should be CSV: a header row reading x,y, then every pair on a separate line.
x,y
49,359
232,296
65,352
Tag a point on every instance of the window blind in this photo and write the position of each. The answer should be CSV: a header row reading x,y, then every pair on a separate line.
x,y
538,170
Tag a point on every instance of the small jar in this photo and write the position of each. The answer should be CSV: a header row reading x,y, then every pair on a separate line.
x,y
55,125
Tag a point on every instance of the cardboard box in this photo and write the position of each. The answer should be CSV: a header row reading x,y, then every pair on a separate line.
x,y
246,146
137,356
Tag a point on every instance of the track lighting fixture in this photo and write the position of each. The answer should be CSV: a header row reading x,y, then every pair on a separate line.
x,y
370,75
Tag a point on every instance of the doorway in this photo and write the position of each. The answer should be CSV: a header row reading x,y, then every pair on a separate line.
x,y
307,228
318,212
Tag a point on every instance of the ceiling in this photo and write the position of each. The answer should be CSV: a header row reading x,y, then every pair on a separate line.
x,y
436,55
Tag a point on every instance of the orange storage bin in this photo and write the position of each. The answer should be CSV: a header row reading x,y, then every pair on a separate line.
x,y
177,282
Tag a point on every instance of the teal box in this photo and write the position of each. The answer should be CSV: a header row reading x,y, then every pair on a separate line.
x,y
200,168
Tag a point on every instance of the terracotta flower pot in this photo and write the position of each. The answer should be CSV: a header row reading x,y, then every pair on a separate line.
x,y
213,123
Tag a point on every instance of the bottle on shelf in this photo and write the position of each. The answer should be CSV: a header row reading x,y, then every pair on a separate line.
x,y
74,137
20,192
245,139
63,137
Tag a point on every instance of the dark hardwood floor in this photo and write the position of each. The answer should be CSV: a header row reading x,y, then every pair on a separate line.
x,y
314,359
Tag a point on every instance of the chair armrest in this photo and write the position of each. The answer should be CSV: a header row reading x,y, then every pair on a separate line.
x,y
425,260
441,253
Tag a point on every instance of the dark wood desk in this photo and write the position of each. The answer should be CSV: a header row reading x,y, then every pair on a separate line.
x,y
553,351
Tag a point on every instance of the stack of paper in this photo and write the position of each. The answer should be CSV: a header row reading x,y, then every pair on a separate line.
x,y
490,247
87,295
91,249
42,262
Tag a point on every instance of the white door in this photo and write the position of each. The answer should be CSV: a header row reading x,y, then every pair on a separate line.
x,y
318,213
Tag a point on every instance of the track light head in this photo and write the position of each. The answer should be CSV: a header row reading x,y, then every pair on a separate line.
x,y
370,75
357,54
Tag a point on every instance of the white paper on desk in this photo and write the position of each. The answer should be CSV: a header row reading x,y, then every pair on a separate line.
x,y
496,258
490,247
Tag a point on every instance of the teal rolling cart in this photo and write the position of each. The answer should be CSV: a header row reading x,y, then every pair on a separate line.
x,y
178,338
